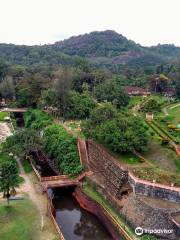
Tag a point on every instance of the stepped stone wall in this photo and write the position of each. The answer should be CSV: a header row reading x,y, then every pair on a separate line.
x,y
112,180
107,170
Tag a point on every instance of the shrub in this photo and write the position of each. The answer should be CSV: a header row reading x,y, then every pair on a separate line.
x,y
62,147
37,119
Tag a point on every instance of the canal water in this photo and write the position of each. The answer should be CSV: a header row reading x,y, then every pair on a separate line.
x,y
75,222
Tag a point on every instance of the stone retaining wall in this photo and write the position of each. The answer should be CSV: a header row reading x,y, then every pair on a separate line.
x,y
154,190
116,178
105,167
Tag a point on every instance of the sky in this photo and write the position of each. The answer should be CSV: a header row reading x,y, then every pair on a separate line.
x,y
31,22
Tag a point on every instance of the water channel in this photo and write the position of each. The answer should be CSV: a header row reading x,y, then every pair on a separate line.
x,y
75,222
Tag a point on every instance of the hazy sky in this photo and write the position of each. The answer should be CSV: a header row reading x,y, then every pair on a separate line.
x,y
147,22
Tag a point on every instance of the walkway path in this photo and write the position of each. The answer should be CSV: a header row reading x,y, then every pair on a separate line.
x,y
5,131
35,194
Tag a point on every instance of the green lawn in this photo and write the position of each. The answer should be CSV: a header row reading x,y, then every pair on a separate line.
x,y
175,113
154,173
3,115
135,100
172,119
19,221
75,127
129,158
27,166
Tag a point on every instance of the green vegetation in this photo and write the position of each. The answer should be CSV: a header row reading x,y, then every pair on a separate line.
x,y
92,193
19,221
154,173
121,132
62,147
112,92
36,119
22,142
134,100
151,105
75,127
8,175
3,115
27,166
129,158
79,106
96,196
175,114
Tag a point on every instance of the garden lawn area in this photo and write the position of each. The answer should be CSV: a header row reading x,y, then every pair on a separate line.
x,y
154,173
175,113
170,122
162,156
135,100
19,221
160,99
27,166
129,158
3,115
75,127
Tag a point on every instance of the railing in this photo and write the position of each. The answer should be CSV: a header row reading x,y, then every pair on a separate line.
x,y
158,185
114,221
52,215
54,178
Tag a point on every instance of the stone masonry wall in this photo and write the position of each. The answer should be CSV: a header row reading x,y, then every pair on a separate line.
x,y
154,190
111,175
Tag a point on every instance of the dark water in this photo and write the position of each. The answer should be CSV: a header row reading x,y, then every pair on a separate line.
x,y
19,119
75,222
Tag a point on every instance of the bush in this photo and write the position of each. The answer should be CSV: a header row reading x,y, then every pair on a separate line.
x,y
151,106
62,147
37,119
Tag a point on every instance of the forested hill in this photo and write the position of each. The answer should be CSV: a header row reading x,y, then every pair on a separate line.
x,y
103,49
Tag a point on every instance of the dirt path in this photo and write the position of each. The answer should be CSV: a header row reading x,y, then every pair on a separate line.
x,y
5,131
33,189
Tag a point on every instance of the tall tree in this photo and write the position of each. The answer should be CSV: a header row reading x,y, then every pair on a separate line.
x,y
9,178
62,86
7,89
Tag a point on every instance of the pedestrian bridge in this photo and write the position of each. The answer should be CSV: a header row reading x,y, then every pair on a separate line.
x,y
14,110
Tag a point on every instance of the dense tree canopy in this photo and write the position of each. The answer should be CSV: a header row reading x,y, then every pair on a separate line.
x,y
79,105
22,142
121,132
9,178
62,147
151,106
112,92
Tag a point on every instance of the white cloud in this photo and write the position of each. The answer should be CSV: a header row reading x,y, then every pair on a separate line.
x,y
148,22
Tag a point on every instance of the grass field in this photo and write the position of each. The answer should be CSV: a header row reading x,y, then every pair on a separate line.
x,y
129,158
175,113
162,156
27,166
154,173
18,221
